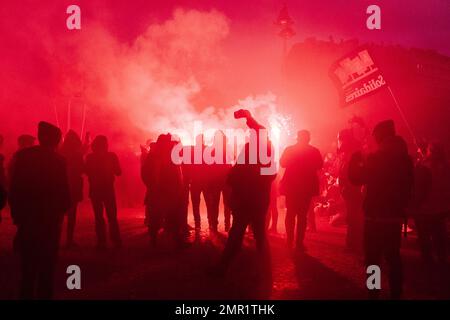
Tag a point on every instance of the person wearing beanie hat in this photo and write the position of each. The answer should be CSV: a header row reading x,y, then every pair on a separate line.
x,y
48,135
38,197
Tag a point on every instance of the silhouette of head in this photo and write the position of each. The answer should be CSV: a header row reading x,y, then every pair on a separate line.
x,y
303,137
25,141
100,144
164,144
384,129
163,139
72,140
48,135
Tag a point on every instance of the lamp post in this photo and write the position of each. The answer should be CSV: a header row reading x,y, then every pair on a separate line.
x,y
285,23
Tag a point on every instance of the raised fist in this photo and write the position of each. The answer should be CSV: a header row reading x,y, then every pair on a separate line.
x,y
242,113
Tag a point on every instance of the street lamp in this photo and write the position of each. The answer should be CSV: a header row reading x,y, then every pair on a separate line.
x,y
285,23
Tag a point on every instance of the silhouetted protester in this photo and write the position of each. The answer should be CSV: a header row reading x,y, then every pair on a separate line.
x,y
147,167
299,184
86,143
3,194
198,180
249,201
433,190
186,170
216,183
387,175
178,197
3,197
101,168
39,195
352,194
71,150
145,149
23,141
167,195
272,216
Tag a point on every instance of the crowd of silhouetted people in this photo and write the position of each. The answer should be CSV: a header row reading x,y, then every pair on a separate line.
x,y
43,183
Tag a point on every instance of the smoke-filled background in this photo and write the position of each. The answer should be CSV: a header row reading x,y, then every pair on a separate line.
x,y
143,67
163,74
140,68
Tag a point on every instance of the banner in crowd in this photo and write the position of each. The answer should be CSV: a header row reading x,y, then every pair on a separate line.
x,y
356,76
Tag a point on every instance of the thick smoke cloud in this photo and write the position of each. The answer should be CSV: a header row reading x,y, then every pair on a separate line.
x,y
160,81
152,81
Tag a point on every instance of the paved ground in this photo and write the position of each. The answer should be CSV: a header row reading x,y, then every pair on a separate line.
x,y
137,272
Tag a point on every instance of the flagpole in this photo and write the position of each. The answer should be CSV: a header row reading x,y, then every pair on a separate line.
x,y
56,113
405,223
69,107
83,121
402,115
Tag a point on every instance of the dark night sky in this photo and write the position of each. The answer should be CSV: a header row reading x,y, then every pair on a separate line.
x,y
416,23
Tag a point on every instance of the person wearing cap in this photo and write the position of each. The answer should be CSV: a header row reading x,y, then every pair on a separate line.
x,y
387,175
38,197
299,184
